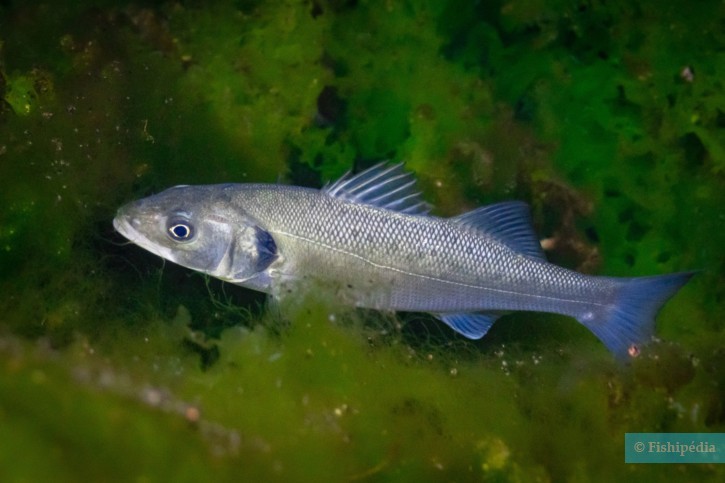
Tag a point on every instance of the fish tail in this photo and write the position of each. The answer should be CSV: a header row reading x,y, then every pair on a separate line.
x,y
629,322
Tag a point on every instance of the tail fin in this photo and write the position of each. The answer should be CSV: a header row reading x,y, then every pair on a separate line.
x,y
629,323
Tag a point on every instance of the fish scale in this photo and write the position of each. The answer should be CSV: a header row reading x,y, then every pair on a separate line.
x,y
369,239
404,243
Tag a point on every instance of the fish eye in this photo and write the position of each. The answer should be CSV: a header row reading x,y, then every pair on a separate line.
x,y
180,230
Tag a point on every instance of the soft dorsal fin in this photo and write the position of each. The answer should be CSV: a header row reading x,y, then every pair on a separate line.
x,y
384,186
509,222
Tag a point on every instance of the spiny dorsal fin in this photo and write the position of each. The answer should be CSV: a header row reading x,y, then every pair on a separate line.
x,y
509,222
384,186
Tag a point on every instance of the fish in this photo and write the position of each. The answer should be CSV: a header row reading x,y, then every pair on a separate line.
x,y
371,240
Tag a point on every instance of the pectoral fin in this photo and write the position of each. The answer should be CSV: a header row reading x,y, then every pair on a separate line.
x,y
473,326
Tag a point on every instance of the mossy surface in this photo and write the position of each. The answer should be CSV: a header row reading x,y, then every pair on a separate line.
x,y
609,118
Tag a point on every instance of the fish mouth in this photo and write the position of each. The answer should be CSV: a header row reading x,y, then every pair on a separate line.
x,y
131,227
125,227
129,222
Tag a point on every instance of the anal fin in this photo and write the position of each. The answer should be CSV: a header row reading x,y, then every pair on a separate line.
x,y
471,325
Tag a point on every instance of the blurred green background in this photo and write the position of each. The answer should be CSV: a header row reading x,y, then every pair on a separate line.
x,y
607,117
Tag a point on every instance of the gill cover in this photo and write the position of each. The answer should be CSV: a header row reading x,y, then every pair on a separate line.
x,y
227,245
251,251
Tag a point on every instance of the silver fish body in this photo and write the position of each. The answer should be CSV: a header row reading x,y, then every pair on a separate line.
x,y
370,240
408,262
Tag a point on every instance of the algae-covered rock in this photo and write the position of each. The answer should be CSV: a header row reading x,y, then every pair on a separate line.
x,y
606,117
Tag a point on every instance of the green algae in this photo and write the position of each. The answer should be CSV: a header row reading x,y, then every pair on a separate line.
x,y
115,366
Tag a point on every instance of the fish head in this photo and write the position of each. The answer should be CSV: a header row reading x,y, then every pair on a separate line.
x,y
200,228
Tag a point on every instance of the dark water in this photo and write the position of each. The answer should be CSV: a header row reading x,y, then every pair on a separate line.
x,y
607,118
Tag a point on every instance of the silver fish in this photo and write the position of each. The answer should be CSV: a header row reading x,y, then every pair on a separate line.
x,y
369,237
